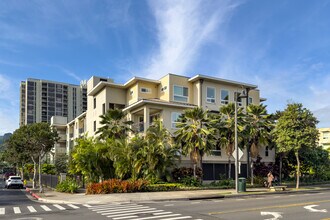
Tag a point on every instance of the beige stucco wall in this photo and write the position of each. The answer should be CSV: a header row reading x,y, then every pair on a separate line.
x,y
132,98
255,94
115,95
165,81
152,86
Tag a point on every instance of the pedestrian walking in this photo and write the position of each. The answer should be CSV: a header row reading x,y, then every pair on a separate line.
x,y
270,178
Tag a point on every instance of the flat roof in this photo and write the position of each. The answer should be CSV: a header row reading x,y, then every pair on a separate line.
x,y
215,79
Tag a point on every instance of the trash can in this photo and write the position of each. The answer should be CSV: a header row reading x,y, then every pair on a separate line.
x,y
242,184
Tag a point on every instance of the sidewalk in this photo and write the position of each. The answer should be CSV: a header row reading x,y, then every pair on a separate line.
x,y
51,196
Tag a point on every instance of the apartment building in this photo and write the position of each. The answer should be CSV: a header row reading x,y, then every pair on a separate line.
x,y
144,100
324,138
42,99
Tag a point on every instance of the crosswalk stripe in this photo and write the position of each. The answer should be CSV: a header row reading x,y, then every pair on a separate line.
x,y
59,207
124,207
121,210
2,211
86,205
171,215
31,209
73,206
113,206
45,208
133,213
125,217
17,210
183,217
162,213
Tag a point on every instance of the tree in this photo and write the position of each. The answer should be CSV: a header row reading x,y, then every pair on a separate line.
x,y
61,164
41,140
114,125
195,135
225,126
157,155
295,129
90,157
258,129
15,152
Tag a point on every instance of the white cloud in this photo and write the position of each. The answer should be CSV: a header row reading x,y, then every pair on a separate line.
x,y
182,28
8,104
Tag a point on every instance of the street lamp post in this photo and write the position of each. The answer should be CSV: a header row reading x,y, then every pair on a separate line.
x,y
236,146
236,140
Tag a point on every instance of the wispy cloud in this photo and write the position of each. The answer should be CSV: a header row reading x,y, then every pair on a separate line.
x,y
8,104
71,74
182,28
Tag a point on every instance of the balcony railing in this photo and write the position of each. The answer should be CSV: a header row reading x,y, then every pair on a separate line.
x,y
81,130
71,135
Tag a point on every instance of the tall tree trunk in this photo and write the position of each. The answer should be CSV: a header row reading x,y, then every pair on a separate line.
x,y
34,173
40,182
229,168
21,169
281,169
252,174
298,170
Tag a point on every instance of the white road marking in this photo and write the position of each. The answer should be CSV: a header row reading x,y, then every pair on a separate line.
x,y
259,198
45,208
2,211
115,214
195,203
31,209
311,209
131,216
172,215
276,215
86,205
292,195
119,208
183,217
240,199
124,210
17,210
134,213
162,213
59,207
217,200
73,206
276,196
169,205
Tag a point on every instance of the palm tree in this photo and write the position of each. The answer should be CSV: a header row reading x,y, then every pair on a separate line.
x,y
195,135
225,125
114,124
158,155
259,125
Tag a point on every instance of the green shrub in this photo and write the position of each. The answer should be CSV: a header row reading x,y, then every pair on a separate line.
x,y
164,187
68,185
190,181
181,173
224,183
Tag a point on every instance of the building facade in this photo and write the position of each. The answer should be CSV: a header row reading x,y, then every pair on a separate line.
x,y
144,100
42,99
324,138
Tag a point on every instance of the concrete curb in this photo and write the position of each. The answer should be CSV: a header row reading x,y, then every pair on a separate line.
x,y
202,197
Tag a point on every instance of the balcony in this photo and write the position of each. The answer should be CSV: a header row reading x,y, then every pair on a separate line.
x,y
81,130
71,135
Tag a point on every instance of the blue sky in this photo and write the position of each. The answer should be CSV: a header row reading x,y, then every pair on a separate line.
x,y
282,46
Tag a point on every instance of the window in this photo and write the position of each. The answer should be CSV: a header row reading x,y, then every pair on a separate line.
x,y
145,90
111,106
94,126
250,100
239,99
326,135
224,97
180,94
174,119
266,151
103,108
94,102
210,95
163,89
216,151
131,92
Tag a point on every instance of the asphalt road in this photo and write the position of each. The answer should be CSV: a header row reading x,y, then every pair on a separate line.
x,y
14,204
18,204
312,205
